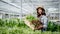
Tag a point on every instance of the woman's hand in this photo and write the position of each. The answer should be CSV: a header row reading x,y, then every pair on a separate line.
x,y
39,27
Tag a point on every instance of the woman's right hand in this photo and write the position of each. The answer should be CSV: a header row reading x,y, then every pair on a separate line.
x,y
39,27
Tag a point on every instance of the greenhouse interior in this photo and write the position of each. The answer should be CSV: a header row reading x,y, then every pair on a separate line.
x,y
14,12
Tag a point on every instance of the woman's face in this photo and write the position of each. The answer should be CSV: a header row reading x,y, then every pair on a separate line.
x,y
39,11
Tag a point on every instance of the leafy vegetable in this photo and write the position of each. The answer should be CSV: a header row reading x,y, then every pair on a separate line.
x,y
7,26
52,26
30,18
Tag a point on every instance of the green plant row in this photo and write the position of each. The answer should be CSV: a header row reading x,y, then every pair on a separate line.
x,y
11,23
53,27
17,26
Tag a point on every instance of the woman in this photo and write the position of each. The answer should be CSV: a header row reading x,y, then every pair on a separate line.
x,y
42,17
